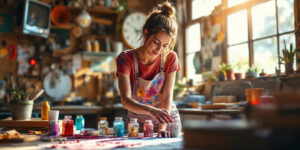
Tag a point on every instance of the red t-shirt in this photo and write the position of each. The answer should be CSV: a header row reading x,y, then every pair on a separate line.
x,y
125,64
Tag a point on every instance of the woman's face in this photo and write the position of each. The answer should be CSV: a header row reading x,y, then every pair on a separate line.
x,y
157,43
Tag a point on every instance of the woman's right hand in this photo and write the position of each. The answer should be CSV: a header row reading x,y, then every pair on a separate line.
x,y
161,115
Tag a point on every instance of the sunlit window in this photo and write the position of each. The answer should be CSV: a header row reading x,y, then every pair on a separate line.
x,y
237,27
193,38
267,34
202,8
286,15
193,45
235,2
265,54
263,20
238,57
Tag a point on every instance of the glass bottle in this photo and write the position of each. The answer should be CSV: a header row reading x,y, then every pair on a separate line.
x,y
96,46
103,127
79,122
88,46
133,128
45,109
118,127
68,125
148,128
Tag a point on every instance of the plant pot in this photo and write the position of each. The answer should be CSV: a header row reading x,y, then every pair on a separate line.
x,y
250,75
289,69
262,74
238,76
229,75
21,111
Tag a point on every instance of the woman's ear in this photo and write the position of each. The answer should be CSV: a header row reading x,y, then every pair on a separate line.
x,y
145,33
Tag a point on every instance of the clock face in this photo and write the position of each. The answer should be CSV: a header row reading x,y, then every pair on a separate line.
x,y
132,29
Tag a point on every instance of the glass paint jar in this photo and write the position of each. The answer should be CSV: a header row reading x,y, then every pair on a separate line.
x,y
118,127
53,128
148,128
133,128
103,127
68,125
79,122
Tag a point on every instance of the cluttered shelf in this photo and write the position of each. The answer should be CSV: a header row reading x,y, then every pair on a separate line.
x,y
98,9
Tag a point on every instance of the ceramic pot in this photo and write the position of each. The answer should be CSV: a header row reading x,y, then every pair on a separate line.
x,y
21,111
238,76
229,75
262,74
289,69
250,75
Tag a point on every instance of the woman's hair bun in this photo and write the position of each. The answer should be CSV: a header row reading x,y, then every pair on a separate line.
x,y
167,9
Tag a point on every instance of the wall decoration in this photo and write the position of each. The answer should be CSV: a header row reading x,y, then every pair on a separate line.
x,y
6,23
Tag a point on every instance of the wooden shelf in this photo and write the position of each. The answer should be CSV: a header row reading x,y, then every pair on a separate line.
x,y
97,55
67,26
99,10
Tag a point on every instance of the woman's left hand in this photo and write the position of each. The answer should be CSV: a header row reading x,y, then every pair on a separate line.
x,y
163,133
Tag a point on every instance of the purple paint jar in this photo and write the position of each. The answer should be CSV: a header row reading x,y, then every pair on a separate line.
x,y
53,128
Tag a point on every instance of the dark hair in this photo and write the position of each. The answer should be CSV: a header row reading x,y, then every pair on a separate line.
x,y
162,19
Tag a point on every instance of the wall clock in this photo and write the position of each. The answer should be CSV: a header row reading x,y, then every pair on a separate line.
x,y
132,29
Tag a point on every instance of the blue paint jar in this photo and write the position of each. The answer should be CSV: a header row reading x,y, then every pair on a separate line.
x,y
79,122
118,127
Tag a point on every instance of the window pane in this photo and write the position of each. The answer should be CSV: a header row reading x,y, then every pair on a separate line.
x,y
235,2
193,41
286,15
191,70
289,38
265,54
238,56
202,8
263,19
237,27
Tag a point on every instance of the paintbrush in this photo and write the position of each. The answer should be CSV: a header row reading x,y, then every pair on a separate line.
x,y
39,93
32,92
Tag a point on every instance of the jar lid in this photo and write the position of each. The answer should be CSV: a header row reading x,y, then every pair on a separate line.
x,y
103,118
148,121
118,118
133,119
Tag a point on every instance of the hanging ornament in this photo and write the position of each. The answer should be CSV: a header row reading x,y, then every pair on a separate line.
x,y
84,19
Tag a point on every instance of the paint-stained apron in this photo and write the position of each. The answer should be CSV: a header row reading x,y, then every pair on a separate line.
x,y
148,92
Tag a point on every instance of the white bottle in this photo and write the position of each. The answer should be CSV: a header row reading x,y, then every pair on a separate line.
x,y
103,127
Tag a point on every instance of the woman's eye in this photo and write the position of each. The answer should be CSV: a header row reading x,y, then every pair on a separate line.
x,y
156,42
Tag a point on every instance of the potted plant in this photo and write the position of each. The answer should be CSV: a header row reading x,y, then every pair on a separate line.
x,y
21,106
238,67
227,70
251,72
288,57
262,73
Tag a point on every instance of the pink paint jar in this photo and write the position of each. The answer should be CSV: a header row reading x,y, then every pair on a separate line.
x,y
53,128
148,128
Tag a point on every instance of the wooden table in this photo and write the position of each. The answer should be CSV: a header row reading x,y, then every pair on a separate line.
x,y
209,113
100,143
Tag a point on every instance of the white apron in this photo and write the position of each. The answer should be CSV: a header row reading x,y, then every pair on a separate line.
x,y
147,92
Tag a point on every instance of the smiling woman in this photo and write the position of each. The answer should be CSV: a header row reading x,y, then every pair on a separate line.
x,y
142,72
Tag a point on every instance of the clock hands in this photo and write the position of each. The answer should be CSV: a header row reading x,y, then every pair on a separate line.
x,y
134,28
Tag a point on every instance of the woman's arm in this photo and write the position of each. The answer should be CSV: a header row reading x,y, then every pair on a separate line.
x,y
130,104
166,97
127,101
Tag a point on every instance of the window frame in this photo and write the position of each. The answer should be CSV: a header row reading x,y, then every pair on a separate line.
x,y
227,11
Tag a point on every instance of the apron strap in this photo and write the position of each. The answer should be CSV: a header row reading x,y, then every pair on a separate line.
x,y
136,67
162,62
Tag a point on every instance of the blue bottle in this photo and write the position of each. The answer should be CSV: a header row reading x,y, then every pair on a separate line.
x,y
79,122
118,127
